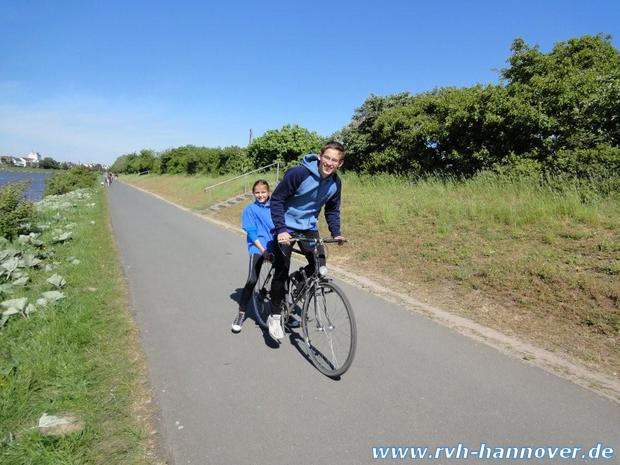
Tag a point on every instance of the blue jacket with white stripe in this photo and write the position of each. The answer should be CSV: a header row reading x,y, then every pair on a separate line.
x,y
256,221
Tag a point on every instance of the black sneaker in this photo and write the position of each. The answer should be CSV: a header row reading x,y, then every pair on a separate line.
x,y
238,323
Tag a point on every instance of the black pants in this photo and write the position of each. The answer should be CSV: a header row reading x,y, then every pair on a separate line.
x,y
282,264
256,262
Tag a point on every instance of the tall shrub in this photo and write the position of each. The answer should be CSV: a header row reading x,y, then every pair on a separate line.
x,y
15,212
77,177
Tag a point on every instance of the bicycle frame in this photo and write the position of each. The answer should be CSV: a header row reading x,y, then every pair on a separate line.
x,y
311,281
326,317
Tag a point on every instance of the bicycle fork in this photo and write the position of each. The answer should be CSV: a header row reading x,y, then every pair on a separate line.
x,y
323,323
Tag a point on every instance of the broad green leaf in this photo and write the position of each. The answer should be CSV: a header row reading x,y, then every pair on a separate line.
x,y
23,239
18,304
6,288
8,253
62,237
10,264
56,280
10,312
29,261
21,281
53,296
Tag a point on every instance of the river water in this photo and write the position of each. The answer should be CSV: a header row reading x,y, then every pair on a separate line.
x,y
35,190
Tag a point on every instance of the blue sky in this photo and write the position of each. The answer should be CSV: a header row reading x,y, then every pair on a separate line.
x,y
89,81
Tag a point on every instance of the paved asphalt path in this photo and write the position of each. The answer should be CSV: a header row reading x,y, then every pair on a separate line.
x,y
238,399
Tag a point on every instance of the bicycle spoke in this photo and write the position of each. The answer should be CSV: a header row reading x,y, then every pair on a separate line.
x,y
327,328
330,330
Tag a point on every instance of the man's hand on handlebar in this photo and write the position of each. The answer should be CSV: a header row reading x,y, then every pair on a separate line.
x,y
341,239
284,238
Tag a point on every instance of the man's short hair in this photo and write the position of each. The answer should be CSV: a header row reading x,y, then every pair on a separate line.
x,y
334,146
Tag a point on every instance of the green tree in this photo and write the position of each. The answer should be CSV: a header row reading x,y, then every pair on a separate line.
x,y
178,160
452,130
576,87
140,162
234,160
121,164
286,144
545,105
358,136
204,160
49,163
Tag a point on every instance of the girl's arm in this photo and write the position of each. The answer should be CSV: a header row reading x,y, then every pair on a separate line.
x,y
254,238
260,246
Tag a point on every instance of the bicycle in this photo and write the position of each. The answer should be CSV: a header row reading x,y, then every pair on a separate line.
x,y
327,320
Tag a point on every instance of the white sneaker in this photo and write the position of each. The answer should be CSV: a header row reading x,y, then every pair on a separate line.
x,y
274,322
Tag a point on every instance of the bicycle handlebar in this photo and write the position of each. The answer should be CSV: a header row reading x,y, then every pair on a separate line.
x,y
317,239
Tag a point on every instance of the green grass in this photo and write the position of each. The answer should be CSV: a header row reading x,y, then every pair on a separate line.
x,y
77,356
536,260
542,259
190,190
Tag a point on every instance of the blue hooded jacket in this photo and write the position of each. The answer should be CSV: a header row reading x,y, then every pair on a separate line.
x,y
256,221
298,199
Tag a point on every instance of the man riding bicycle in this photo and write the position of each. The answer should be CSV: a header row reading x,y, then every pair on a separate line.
x,y
295,207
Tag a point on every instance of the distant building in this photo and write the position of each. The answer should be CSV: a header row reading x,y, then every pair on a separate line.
x,y
33,159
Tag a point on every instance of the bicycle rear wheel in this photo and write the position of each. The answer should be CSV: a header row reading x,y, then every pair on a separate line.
x,y
329,329
261,297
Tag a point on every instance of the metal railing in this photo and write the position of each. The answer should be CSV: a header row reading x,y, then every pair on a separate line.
x,y
209,189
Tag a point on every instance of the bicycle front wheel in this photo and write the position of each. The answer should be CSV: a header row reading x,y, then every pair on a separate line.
x,y
261,297
329,329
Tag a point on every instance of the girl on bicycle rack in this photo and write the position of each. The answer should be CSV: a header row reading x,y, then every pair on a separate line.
x,y
256,222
